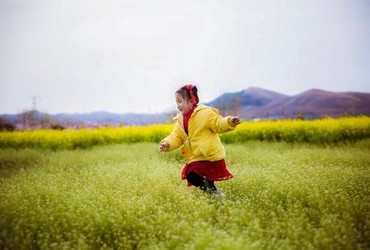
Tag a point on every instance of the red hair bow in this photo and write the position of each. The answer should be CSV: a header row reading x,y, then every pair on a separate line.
x,y
193,98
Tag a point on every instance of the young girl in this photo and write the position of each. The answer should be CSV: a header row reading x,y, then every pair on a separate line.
x,y
196,132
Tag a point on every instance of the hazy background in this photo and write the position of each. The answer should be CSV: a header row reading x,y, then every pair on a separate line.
x,y
131,55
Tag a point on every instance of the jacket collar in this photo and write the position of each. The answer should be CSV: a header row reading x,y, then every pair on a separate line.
x,y
198,108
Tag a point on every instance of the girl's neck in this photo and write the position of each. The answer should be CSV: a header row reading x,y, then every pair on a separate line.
x,y
191,110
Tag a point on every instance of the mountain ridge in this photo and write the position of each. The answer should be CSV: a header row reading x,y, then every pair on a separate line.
x,y
250,103
310,104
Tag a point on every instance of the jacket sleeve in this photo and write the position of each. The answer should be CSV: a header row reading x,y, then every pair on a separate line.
x,y
218,123
174,140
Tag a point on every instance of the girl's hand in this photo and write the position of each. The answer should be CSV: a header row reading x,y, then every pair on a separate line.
x,y
163,146
234,121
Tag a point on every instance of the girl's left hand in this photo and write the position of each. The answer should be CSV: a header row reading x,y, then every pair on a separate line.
x,y
234,121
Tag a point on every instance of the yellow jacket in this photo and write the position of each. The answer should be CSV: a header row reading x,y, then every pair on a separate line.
x,y
203,142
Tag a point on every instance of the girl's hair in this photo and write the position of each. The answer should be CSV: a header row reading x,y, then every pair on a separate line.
x,y
189,92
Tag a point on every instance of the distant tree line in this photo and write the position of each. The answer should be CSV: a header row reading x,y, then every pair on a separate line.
x,y
30,120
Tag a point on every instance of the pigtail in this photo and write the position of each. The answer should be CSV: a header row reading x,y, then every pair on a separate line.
x,y
192,89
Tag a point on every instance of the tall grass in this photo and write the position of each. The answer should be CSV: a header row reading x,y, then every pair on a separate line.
x,y
283,196
318,131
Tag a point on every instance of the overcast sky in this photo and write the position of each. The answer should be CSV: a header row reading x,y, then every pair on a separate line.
x,y
131,55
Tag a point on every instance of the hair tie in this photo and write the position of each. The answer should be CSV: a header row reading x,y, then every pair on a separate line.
x,y
193,98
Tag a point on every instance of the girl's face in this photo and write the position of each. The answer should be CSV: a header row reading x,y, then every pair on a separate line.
x,y
184,106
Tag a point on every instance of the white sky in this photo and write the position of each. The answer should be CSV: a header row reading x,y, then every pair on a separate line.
x,y
132,55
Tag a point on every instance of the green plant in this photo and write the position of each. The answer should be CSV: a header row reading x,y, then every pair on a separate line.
x,y
283,196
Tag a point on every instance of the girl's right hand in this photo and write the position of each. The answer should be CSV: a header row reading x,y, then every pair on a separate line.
x,y
163,146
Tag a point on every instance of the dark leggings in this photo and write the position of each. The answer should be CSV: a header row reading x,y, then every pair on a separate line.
x,y
200,182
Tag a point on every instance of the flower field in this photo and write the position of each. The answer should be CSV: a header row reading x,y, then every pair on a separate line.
x,y
129,196
326,130
318,131
82,138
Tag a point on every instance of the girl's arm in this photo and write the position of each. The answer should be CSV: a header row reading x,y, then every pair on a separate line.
x,y
220,124
171,142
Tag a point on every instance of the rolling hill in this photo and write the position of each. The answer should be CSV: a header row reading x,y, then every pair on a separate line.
x,y
251,103
314,103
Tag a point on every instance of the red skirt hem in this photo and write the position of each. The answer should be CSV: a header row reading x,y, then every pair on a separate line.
x,y
210,170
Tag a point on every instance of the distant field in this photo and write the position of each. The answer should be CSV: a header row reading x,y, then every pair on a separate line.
x,y
323,131
127,196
